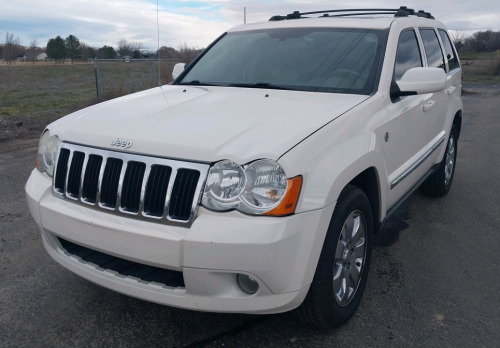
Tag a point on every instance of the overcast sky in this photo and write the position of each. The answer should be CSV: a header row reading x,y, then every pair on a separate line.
x,y
197,22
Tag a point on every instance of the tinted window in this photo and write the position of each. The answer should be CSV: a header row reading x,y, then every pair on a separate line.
x,y
407,55
432,48
309,59
448,48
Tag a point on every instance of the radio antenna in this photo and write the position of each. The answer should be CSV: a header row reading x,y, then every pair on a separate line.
x,y
158,51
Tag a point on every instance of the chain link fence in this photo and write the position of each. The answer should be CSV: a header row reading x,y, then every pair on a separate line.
x,y
34,95
114,78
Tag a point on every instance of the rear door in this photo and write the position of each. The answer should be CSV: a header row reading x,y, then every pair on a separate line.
x,y
453,73
435,58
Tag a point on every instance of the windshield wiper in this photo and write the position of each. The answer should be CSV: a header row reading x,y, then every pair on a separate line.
x,y
263,85
196,83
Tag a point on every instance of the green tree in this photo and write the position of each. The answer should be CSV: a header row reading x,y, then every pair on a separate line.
x,y
87,51
90,52
56,48
106,52
137,54
72,47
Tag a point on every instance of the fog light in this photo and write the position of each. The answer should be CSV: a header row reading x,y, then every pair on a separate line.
x,y
247,283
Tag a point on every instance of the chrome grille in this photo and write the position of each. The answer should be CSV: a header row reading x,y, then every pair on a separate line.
x,y
156,190
132,185
91,178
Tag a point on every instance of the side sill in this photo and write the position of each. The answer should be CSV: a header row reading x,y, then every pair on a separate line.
x,y
408,194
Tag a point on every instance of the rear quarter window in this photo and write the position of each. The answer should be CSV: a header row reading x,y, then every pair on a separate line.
x,y
451,55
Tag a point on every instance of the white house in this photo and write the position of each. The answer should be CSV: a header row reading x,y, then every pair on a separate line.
x,y
41,56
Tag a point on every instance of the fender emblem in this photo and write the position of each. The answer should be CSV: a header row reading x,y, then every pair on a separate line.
x,y
122,143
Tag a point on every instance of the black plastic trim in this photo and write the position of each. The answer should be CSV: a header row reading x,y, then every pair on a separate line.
x,y
124,267
403,11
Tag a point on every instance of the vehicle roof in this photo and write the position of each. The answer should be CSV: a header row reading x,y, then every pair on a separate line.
x,y
362,22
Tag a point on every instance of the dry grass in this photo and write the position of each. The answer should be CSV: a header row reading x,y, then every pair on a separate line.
x,y
481,67
484,70
33,95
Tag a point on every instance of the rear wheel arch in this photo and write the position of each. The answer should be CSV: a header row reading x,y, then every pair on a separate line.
x,y
457,122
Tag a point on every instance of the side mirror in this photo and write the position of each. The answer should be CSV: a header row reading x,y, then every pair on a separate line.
x,y
178,69
421,81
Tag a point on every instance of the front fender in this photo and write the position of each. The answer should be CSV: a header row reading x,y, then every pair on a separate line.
x,y
334,155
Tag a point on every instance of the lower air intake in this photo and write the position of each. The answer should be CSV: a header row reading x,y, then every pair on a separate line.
x,y
124,267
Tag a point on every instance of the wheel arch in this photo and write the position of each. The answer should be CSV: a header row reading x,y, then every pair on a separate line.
x,y
457,122
368,182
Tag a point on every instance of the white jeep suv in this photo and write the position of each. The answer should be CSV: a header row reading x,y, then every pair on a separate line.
x,y
255,181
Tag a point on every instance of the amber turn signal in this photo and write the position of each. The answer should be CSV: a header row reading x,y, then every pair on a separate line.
x,y
289,202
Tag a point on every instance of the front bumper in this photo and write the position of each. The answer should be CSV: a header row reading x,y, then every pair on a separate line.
x,y
279,253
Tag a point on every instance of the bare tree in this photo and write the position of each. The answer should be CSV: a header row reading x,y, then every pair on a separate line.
x,y
12,47
129,48
33,47
458,38
188,54
124,48
169,53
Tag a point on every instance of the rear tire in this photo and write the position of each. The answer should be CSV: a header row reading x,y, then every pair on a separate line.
x,y
438,184
342,270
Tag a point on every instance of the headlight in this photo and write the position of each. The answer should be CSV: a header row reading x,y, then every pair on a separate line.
x,y
225,183
266,186
47,152
259,188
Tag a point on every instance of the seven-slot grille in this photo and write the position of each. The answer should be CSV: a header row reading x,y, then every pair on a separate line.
x,y
137,186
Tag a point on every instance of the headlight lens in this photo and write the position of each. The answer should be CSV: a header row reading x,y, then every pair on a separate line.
x,y
256,188
47,152
266,186
225,182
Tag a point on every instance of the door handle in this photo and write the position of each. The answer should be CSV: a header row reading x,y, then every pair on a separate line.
x,y
450,90
428,105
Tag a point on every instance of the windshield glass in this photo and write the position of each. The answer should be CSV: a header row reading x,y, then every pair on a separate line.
x,y
309,59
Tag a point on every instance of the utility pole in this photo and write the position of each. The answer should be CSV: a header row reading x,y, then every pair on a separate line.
x,y
245,15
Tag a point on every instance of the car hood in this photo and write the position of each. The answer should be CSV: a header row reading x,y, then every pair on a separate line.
x,y
205,124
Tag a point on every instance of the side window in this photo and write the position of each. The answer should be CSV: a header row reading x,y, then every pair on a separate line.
x,y
448,48
407,54
432,48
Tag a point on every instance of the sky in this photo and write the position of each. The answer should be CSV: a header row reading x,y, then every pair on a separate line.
x,y
196,23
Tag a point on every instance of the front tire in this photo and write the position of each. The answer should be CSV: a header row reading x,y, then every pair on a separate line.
x,y
439,183
342,270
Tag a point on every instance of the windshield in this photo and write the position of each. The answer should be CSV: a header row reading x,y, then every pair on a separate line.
x,y
308,59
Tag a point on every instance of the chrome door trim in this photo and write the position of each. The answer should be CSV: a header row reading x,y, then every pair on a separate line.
x,y
415,165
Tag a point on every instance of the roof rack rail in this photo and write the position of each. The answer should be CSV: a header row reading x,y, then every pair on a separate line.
x,y
403,11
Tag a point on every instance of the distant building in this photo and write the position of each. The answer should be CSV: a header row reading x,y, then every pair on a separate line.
x,y
41,57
